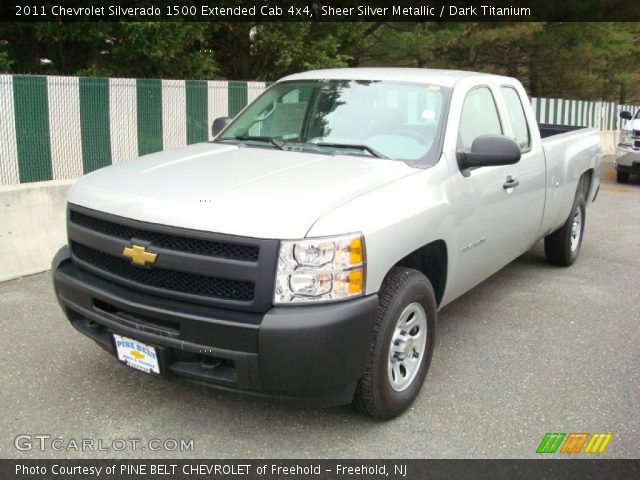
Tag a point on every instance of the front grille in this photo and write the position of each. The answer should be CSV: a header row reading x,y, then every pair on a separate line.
x,y
233,251
636,133
170,280
195,266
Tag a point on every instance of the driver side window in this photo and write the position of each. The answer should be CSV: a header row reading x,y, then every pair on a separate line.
x,y
479,117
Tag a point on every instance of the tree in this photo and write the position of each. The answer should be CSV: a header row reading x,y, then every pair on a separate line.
x,y
267,51
138,49
591,61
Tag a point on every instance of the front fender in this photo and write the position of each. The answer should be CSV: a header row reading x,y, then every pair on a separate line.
x,y
395,219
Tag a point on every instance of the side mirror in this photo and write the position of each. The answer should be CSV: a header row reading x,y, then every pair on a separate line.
x,y
488,151
219,124
625,115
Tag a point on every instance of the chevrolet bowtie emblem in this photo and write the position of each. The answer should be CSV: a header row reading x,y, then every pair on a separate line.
x,y
139,255
137,355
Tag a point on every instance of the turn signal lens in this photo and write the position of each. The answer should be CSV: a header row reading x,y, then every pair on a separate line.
x,y
356,281
355,250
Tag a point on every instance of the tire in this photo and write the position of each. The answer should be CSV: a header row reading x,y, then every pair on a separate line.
x,y
561,247
409,292
622,177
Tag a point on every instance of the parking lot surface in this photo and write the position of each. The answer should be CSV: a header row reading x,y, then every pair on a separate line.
x,y
534,349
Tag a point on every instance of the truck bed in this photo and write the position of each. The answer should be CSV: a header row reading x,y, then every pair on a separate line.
x,y
549,129
568,150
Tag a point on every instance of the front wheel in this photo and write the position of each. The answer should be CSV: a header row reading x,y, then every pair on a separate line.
x,y
563,246
402,346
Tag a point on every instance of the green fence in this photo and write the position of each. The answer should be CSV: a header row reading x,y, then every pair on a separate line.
x,y
63,127
603,116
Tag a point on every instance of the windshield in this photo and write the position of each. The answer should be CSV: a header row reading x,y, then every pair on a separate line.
x,y
400,121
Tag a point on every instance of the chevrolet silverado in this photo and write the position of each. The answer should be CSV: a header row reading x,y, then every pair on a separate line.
x,y
304,253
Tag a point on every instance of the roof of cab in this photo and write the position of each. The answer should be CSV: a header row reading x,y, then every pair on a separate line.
x,y
445,78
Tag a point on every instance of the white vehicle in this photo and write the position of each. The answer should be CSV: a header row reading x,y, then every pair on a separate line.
x,y
628,154
305,252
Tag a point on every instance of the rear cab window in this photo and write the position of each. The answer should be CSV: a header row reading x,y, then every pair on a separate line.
x,y
516,117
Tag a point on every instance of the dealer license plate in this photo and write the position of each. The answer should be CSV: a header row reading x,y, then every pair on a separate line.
x,y
136,354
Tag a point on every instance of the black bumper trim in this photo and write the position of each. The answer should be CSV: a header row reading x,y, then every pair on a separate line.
x,y
309,354
236,331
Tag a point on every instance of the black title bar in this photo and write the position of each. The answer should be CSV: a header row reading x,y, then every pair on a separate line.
x,y
582,469
320,10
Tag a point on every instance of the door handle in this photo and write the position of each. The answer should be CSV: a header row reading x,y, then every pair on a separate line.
x,y
511,182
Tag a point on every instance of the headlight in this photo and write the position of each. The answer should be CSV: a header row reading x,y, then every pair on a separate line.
x,y
320,269
625,137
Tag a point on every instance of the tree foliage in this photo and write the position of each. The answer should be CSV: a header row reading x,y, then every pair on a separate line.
x,y
576,60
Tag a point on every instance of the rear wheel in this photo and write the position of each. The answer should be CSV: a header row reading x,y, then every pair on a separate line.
x,y
622,177
402,347
563,246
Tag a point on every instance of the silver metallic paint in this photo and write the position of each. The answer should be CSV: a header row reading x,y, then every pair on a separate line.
x,y
268,193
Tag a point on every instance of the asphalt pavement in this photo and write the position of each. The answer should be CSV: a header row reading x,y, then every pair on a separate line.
x,y
534,349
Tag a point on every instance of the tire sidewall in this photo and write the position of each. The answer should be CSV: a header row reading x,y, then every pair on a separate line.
x,y
578,204
392,401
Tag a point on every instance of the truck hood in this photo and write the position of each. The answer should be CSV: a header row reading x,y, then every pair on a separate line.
x,y
255,192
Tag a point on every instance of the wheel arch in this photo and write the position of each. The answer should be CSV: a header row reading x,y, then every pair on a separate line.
x,y
585,183
432,261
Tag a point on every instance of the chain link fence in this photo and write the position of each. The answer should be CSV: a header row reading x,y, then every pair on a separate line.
x,y
55,128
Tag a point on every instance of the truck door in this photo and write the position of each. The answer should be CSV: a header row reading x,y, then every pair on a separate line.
x,y
530,172
494,207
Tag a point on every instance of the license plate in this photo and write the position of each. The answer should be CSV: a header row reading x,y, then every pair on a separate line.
x,y
136,354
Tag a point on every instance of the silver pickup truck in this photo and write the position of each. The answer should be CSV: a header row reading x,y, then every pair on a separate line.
x,y
304,253
628,153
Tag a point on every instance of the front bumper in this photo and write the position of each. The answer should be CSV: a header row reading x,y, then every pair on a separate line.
x,y
627,159
310,354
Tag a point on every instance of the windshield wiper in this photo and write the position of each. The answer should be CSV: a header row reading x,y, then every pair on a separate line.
x,y
256,138
364,148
